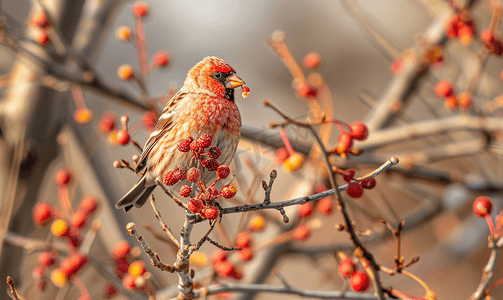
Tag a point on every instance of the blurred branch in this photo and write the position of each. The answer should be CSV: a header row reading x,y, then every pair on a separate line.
x,y
489,269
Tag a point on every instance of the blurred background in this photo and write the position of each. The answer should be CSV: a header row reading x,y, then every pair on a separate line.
x,y
450,241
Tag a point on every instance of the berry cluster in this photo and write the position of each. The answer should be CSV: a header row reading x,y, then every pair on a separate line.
x,y
355,188
357,131
461,26
358,280
66,224
445,89
134,278
206,157
40,20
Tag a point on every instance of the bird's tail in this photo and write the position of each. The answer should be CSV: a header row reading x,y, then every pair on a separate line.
x,y
136,196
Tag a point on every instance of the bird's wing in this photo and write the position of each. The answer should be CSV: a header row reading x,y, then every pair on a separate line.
x,y
164,124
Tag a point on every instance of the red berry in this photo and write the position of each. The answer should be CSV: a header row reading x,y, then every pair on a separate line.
x,y
123,137
224,268
63,177
359,281
193,174
465,100
195,205
444,88
487,37
89,204
121,266
121,250
359,131
195,146
140,9
344,143
184,144
281,155
185,191
211,212
42,38
74,263
42,213
161,59
47,258
79,218
305,91
129,282
204,141
218,255
312,60
368,183
213,191
170,178
355,189
223,171
245,92
40,19
346,267
179,174
107,122
149,120
350,176
211,164
451,102
325,205
109,290
243,240
305,210
229,191
245,254
214,152
482,206
302,232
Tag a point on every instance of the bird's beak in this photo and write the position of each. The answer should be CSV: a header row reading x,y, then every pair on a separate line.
x,y
233,82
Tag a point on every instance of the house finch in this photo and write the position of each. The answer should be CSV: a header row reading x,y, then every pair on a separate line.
x,y
204,105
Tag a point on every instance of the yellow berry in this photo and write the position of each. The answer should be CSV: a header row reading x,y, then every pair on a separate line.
x,y
257,223
198,259
123,33
60,227
59,278
83,116
233,188
293,163
137,268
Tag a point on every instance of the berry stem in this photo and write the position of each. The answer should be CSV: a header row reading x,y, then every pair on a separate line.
x,y
490,223
493,286
422,283
78,97
339,124
141,45
288,146
64,201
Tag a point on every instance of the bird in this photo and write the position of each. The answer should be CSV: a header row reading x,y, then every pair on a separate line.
x,y
204,105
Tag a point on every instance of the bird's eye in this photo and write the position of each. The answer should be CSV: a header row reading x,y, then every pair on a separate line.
x,y
218,75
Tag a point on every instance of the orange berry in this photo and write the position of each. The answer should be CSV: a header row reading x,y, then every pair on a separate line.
x,y
40,19
465,100
107,122
198,259
149,120
60,227
129,282
123,137
161,59
63,177
245,254
83,116
140,9
123,33
257,223
125,72
302,232
305,210
487,36
211,212
79,218
58,278
281,155
243,240
229,191
137,268
89,204
451,102
47,258
444,88
359,131
42,213
325,205
42,38
346,267
224,268
312,60
344,143
218,255
121,250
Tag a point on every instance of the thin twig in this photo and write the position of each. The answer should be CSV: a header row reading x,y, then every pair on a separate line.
x,y
154,258
488,273
220,246
169,193
12,286
164,227
268,189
